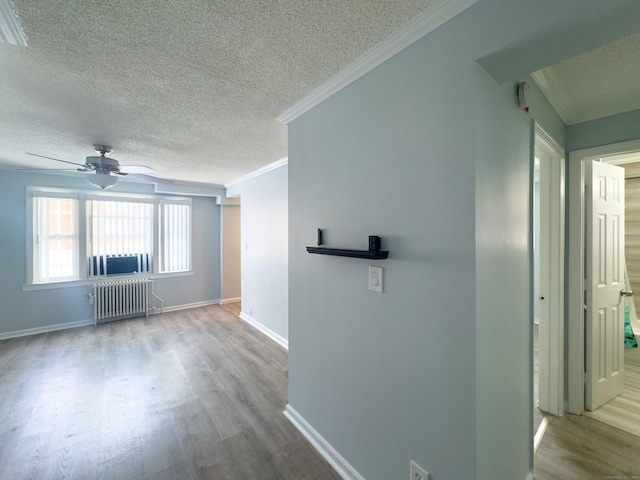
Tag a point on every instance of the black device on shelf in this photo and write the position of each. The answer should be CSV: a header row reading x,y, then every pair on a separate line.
x,y
374,252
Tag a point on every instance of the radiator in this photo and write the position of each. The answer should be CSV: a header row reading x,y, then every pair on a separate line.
x,y
119,299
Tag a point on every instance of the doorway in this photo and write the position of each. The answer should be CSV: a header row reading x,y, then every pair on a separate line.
x,y
576,273
548,225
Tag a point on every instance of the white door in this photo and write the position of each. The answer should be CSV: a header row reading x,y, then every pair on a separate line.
x,y
604,282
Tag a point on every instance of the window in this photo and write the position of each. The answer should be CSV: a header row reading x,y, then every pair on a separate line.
x,y
175,237
56,240
120,237
78,236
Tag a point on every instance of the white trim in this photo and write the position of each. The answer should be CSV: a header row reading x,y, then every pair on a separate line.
x,y
30,287
537,439
225,301
623,159
256,173
557,97
575,290
529,476
10,27
49,328
186,306
412,31
613,149
575,297
283,342
84,323
330,454
552,225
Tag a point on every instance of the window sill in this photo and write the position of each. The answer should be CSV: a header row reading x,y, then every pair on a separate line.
x,y
30,287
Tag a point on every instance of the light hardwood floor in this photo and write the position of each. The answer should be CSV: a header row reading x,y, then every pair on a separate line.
x,y
604,444
623,412
537,413
580,448
195,394
198,394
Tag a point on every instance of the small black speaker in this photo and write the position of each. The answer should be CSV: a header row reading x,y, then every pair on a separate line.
x,y
374,243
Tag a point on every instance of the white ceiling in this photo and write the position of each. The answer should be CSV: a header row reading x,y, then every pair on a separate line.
x,y
191,88
596,84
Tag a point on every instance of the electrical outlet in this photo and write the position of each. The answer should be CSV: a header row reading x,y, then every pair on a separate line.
x,y
416,472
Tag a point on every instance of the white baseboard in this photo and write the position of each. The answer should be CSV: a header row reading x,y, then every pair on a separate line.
x,y
185,306
267,331
84,323
537,439
45,329
337,461
224,301
529,476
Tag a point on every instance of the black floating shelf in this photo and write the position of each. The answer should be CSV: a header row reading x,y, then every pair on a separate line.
x,y
341,252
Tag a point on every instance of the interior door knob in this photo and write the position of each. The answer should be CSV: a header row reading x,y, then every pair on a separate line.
x,y
626,293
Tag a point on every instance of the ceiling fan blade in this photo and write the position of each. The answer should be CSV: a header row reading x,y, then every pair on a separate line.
x,y
57,159
147,178
52,169
135,169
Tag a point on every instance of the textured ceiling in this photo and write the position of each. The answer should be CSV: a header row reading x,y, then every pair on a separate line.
x,y
596,84
190,88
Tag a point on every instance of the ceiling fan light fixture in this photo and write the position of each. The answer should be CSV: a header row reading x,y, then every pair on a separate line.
x,y
102,180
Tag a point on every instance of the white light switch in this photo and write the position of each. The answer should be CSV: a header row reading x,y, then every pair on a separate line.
x,y
375,279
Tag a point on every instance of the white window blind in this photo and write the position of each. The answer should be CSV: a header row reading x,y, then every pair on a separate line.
x,y
175,236
55,239
120,228
78,236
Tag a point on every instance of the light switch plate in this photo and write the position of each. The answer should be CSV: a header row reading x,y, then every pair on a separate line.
x,y
375,279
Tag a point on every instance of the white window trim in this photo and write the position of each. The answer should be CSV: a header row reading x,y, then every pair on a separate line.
x,y
83,196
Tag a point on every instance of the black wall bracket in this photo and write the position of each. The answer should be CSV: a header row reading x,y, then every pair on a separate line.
x,y
374,252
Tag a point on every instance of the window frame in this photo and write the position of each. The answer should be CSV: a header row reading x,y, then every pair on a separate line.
x,y
36,240
83,224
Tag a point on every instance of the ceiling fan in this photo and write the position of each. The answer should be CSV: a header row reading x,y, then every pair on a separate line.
x,y
107,170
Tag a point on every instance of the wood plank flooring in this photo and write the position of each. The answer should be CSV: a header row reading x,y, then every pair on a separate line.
x,y
198,394
576,447
604,444
623,412
195,394
537,413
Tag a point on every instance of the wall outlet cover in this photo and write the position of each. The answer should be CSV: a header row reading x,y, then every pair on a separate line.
x,y
416,472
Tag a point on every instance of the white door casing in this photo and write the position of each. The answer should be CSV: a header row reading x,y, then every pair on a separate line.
x,y
551,293
604,280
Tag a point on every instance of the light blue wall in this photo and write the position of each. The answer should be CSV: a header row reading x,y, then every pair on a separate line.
x,y
604,131
264,249
432,154
22,310
503,289
389,377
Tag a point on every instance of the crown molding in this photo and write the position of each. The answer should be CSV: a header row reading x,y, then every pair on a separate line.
x,y
412,31
256,173
10,28
552,89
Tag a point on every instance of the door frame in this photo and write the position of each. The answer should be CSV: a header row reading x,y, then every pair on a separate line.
x,y
575,265
552,222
